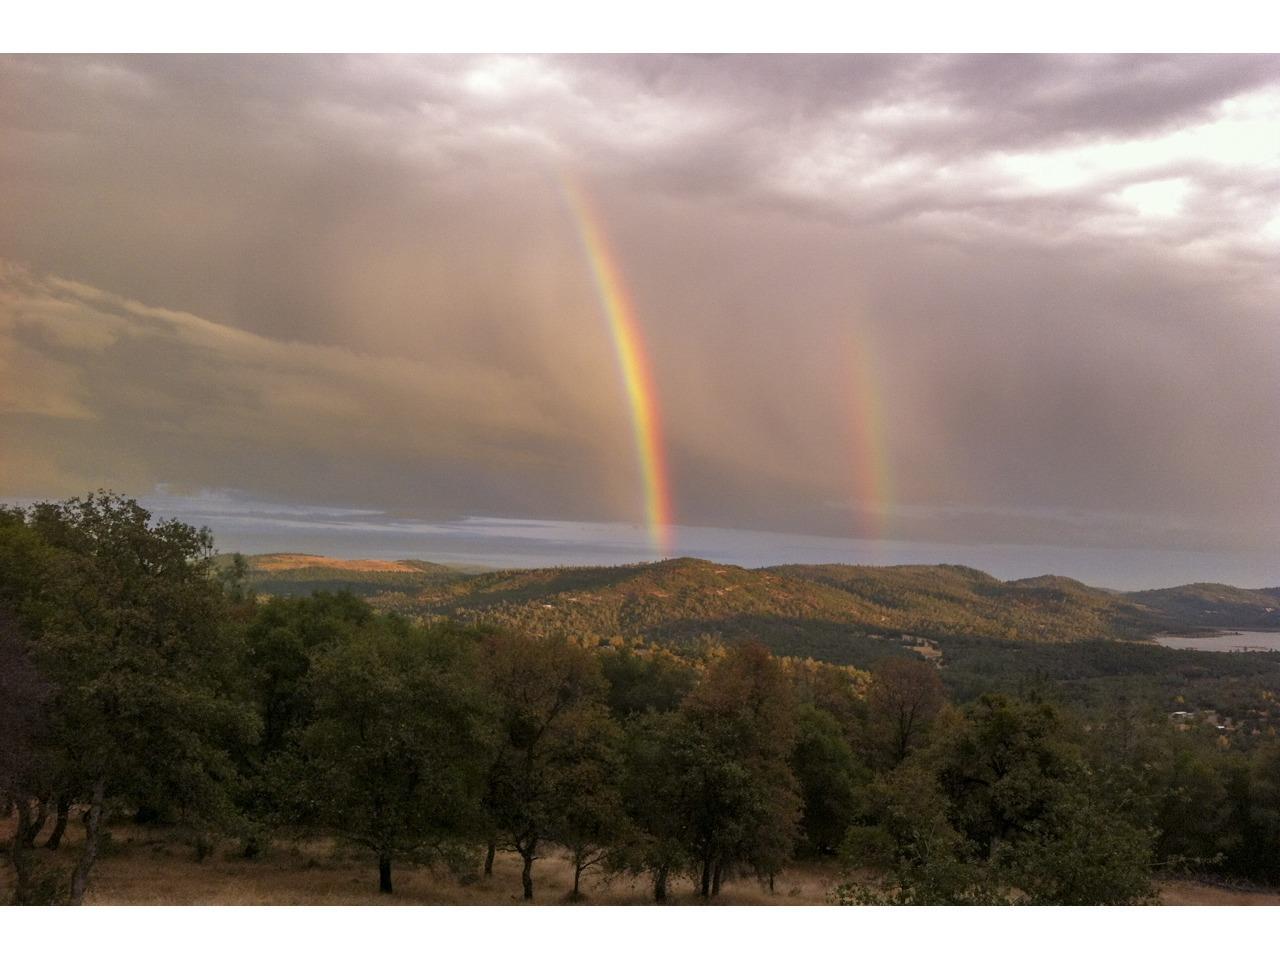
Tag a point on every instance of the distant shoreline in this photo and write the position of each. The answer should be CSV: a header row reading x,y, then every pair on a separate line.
x,y
1196,632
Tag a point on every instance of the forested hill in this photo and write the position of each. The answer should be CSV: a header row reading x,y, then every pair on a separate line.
x,y
952,601
835,612
1215,605
677,602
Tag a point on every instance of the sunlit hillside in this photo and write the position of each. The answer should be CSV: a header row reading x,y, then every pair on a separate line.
x,y
846,614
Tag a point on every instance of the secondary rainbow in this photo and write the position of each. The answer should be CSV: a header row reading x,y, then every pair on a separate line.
x,y
871,477
633,363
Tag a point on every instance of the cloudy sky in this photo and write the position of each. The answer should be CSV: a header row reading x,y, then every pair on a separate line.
x,y
980,307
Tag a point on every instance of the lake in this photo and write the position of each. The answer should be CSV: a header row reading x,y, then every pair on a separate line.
x,y
1225,643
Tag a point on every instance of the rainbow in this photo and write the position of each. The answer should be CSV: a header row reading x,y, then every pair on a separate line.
x,y
871,475
633,363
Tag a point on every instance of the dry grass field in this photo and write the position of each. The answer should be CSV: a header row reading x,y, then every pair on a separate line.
x,y
153,866
275,562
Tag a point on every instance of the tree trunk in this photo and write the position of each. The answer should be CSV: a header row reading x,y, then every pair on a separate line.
x,y
660,884
577,876
715,881
488,858
92,827
706,877
384,874
526,875
60,824
19,857
34,826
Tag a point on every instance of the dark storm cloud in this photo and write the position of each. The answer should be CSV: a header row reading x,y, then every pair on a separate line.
x,y
354,280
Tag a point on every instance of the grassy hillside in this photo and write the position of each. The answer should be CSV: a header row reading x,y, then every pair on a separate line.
x,y
295,574
1215,605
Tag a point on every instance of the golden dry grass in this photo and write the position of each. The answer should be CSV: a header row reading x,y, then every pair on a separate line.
x,y
152,866
1189,893
297,561
315,873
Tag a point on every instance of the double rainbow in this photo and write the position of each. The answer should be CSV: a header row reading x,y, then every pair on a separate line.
x,y
869,467
633,363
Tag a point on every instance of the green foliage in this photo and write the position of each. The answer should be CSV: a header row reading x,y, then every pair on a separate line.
x,y
391,757
1081,854
654,798
587,814
279,643
140,674
830,778
741,803
644,681
1003,808
1004,768
554,734
1094,675
128,626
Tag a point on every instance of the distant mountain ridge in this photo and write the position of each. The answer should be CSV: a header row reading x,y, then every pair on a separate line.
x,y
837,612
943,601
1215,605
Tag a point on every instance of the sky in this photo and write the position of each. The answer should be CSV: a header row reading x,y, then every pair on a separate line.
x,y
1019,311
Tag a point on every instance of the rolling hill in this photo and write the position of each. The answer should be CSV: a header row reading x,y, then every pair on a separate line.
x,y
840,613
952,601
1215,605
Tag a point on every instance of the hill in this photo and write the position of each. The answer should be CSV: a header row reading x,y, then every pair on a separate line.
x,y
945,601
680,602
837,612
845,614
294,574
1214,605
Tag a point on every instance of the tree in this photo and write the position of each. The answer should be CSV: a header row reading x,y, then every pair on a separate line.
x,y
903,831
127,628
740,802
548,695
1081,854
1253,835
23,694
281,636
654,798
279,643
1001,809
390,759
588,814
830,778
639,682
1005,768
904,698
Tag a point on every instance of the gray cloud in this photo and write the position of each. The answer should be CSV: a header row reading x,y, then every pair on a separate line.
x,y
354,281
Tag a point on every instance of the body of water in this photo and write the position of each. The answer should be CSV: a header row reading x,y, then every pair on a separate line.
x,y
1225,643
